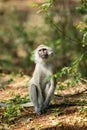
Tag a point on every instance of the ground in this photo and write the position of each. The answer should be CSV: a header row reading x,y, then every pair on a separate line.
x,y
67,111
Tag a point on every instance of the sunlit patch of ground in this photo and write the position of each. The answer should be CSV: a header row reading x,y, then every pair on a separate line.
x,y
11,86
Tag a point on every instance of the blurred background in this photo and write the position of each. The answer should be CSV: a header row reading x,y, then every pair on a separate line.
x,y
57,23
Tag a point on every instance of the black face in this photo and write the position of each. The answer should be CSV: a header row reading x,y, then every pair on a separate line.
x,y
43,53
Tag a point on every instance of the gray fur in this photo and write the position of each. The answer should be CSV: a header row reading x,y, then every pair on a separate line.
x,y
41,89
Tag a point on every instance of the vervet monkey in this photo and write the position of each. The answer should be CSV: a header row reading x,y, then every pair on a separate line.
x,y
41,85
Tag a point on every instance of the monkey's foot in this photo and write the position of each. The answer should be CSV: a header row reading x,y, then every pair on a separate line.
x,y
44,107
38,111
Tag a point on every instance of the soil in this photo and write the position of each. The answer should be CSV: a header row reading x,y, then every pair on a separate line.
x,y
57,117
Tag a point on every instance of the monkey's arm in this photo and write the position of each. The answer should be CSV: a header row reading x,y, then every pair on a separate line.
x,y
49,95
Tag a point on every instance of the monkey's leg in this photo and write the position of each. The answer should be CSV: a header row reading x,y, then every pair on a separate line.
x,y
36,98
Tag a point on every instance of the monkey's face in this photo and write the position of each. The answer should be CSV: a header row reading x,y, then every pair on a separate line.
x,y
43,53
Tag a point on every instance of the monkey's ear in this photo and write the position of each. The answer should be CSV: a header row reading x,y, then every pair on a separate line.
x,y
51,52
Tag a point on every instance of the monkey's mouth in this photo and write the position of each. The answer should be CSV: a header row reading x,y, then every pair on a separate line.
x,y
44,56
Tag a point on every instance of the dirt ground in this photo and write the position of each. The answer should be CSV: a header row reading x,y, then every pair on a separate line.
x,y
58,115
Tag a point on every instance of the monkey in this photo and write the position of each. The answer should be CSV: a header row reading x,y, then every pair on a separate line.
x,y
41,87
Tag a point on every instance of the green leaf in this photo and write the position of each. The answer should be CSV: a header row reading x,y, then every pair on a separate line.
x,y
35,5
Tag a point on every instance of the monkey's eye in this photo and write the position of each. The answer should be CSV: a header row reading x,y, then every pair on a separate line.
x,y
42,49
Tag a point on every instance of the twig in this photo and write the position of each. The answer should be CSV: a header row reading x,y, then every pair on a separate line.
x,y
69,103
84,80
71,95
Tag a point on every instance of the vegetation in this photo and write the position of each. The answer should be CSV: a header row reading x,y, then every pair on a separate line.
x,y
60,30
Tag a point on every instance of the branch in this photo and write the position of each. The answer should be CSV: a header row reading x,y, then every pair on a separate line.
x,y
71,95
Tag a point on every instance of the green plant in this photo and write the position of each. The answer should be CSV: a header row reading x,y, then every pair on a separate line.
x,y
83,109
56,112
44,6
17,100
71,74
12,113
62,33
14,36
82,27
14,109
